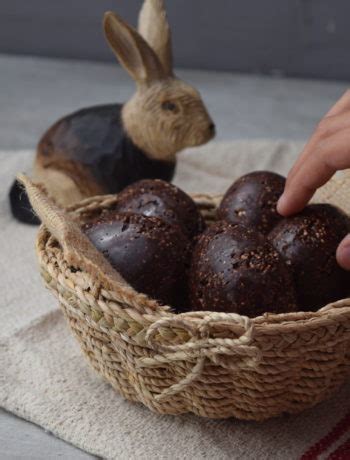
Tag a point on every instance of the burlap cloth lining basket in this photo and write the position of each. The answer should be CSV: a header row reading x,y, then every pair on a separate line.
x,y
215,365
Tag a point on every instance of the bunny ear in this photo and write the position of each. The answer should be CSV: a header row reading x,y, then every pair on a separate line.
x,y
132,51
154,28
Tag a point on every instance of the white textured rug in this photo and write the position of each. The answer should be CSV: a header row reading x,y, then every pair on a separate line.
x,y
45,379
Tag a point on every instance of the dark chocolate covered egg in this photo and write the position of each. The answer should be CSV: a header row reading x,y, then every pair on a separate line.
x,y
308,242
158,198
150,254
252,201
235,269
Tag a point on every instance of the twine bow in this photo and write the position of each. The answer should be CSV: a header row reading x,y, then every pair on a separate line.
x,y
230,353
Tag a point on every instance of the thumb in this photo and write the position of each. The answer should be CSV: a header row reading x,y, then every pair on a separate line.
x,y
343,253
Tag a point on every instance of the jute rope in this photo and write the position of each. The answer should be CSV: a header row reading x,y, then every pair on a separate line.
x,y
213,364
201,347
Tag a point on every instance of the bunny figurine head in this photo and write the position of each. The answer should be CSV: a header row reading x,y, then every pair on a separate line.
x,y
165,115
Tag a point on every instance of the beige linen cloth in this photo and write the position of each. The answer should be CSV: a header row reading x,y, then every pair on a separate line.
x,y
45,379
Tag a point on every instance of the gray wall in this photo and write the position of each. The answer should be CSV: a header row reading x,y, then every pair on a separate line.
x,y
295,37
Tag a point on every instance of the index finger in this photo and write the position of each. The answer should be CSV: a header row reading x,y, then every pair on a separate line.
x,y
313,174
331,155
341,106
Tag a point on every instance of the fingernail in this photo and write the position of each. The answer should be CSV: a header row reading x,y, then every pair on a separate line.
x,y
343,253
281,204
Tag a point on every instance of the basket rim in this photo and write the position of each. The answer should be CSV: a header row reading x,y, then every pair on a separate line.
x,y
300,319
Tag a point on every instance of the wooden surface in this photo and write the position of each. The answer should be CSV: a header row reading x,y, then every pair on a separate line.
x,y
21,440
36,92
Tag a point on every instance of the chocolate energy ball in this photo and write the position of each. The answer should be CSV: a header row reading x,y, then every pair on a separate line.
x,y
308,242
235,269
252,201
158,198
149,253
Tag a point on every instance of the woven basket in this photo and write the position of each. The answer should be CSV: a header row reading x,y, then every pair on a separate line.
x,y
213,364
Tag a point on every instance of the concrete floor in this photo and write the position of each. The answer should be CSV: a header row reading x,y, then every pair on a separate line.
x,y
35,92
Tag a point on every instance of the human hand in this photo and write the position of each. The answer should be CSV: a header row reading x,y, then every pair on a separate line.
x,y
327,151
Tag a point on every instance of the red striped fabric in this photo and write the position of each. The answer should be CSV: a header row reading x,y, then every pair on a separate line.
x,y
342,452
327,441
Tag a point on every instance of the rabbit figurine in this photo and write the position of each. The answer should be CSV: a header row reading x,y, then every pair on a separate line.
x,y
101,149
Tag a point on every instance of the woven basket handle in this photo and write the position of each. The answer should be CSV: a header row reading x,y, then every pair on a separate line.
x,y
77,248
200,347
